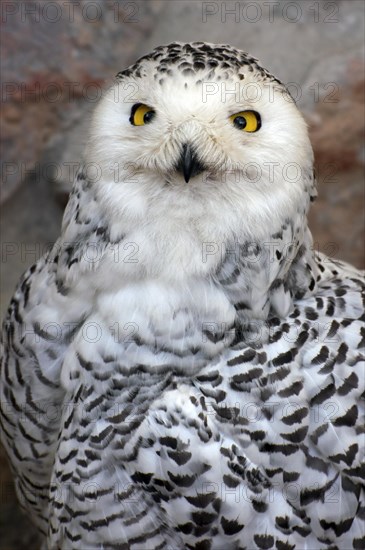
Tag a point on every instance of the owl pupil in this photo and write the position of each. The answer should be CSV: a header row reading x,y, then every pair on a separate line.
x,y
148,116
240,122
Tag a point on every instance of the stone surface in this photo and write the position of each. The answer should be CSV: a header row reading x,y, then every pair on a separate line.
x,y
336,125
40,134
55,56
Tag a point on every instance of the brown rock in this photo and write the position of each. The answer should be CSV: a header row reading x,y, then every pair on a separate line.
x,y
336,130
52,54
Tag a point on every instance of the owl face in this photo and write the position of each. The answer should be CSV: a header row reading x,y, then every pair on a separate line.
x,y
202,122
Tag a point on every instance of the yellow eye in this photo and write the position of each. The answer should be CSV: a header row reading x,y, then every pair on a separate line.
x,y
141,114
249,121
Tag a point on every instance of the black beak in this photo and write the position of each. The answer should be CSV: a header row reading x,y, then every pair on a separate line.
x,y
188,163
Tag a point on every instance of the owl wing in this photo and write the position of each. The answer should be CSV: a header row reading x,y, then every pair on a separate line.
x,y
41,321
31,395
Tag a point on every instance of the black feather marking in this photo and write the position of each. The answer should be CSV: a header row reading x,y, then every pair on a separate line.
x,y
264,541
180,457
348,419
323,395
182,481
201,500
297,436
296,417
311,495
203,518
231,527
286,357
339,528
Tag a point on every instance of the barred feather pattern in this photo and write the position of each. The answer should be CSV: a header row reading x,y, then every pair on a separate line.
x,y
219,409
115,444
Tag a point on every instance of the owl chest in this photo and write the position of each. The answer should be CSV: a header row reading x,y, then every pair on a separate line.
x,y
159,322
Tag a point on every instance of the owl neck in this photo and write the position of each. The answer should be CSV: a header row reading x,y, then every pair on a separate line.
x,y
264,279
260,278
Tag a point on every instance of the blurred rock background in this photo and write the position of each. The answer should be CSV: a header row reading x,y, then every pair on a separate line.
x,y
56,57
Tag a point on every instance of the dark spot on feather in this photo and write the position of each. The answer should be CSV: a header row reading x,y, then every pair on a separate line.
x,y
231,527
203,518
289,477
284,358
323,395
348,419
264,541
201,500
294,389
296,417
230,481
247,356
182,481
259,506
180,457
297,436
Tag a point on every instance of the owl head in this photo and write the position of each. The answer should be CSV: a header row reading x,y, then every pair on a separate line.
x,y
201,128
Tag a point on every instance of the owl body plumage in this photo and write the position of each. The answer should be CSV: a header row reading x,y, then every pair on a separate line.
x,y
182,369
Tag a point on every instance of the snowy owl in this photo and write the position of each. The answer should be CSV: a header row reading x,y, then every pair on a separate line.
x,y
182,369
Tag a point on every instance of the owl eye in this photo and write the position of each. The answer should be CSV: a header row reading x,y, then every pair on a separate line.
x,y
249,121
141,114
